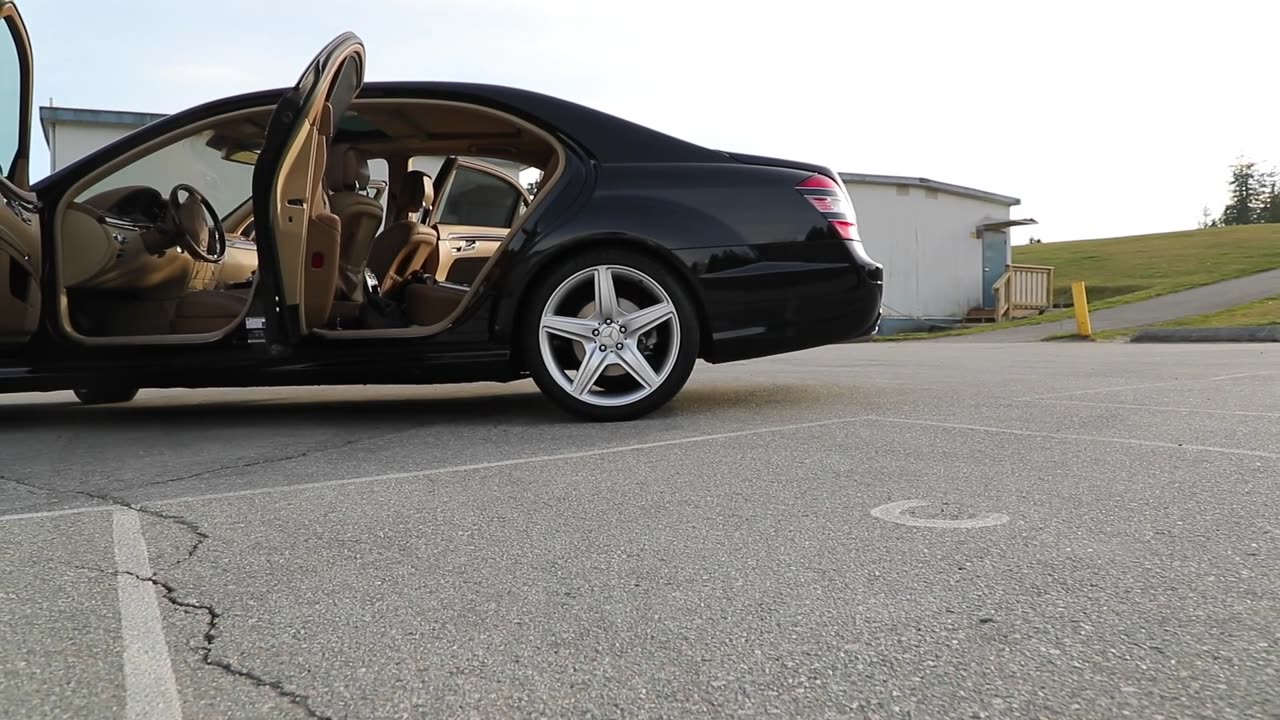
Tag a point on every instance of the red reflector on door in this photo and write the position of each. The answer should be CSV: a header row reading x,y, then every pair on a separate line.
x,y
317,260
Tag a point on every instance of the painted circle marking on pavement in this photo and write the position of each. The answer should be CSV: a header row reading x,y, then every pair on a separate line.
x,y
893,512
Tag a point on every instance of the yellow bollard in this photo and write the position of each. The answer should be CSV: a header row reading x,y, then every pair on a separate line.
x,y
1081,301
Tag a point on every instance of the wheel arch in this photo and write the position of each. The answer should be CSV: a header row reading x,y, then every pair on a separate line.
x,y
510,312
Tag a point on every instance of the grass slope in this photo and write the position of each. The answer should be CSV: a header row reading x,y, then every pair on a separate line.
x,y
1260,312
1143,266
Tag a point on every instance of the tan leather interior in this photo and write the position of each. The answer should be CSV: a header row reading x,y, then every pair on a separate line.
x,y
207,311
238,266
19,274
442,129
86,247
324,235
414,195
418,254
465,244
320,279
427,305
359,216
340,219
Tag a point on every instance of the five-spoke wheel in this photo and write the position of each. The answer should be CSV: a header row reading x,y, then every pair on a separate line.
x,y
615,335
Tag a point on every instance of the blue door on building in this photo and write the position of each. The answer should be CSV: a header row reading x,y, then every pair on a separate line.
x,y
995,254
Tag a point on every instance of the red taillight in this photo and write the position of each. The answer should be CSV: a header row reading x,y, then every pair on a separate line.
x,y
827,204
825,195
829,198
818,182
317,260
848,230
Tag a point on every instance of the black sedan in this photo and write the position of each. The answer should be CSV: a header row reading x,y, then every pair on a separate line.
x,y
339,232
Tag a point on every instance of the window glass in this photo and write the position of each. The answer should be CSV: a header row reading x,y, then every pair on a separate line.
x,y
226,183
478,198
11,91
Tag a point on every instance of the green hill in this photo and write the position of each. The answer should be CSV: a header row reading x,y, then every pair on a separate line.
x,y
1148,265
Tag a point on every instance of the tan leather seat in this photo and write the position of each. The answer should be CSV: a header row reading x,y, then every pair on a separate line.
x,y
360,217
207,311
415,195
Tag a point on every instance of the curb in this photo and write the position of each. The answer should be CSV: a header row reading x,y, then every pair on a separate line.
x,y
1264,333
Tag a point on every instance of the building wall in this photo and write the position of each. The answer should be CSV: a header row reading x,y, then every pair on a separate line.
x,y
927,241
72,141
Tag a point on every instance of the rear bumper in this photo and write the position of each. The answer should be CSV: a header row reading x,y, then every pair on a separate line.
x,y
812,309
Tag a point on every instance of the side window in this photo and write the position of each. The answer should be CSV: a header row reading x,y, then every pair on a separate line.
x,y
478,198
12,91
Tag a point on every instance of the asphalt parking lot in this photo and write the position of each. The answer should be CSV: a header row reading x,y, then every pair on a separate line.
x,y
904,530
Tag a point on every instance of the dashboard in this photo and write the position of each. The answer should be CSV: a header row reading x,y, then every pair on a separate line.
x,y
140,205
115,240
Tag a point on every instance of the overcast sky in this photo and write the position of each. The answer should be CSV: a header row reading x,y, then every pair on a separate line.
x,y
1106,118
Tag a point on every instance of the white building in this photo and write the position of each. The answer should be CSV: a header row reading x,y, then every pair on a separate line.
x,y
72,133
943,246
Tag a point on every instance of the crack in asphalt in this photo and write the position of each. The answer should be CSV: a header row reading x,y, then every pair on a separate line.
x,y
190,526
212,617
211,614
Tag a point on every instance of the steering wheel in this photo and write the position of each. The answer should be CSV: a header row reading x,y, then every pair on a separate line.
x,y
193,230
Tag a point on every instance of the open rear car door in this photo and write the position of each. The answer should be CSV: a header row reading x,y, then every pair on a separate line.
x,y
297,236
19,218
476,207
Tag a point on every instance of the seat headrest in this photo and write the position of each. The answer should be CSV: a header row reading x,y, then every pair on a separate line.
x,y
347,170
416,192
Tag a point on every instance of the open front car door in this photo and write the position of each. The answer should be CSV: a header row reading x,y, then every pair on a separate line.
x,y
19,218
297,235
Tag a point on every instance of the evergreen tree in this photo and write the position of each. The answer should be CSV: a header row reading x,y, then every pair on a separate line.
x,y
1271,208
1248,194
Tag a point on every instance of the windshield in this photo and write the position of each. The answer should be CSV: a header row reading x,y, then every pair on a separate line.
x,y
193,160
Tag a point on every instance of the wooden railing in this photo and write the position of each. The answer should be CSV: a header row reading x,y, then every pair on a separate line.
x,y
1023,287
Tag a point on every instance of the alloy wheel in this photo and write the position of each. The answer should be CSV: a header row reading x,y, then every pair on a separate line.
x,y
609,335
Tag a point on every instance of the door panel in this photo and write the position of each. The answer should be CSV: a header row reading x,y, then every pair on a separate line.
x,y
19,268
297,236
19,218
464,250
478,207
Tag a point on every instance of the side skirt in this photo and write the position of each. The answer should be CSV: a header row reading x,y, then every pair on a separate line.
x,y
495,368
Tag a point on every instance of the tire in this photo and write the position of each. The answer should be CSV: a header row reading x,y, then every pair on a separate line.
x,y
665,337
106,394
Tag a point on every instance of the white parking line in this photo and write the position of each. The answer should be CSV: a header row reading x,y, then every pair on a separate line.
x,y
151,693
1090,438
1161,407
454,469
1248,374
56,513
504,463
1150,385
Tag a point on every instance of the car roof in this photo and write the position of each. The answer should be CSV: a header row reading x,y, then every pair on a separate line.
x,y
607,138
